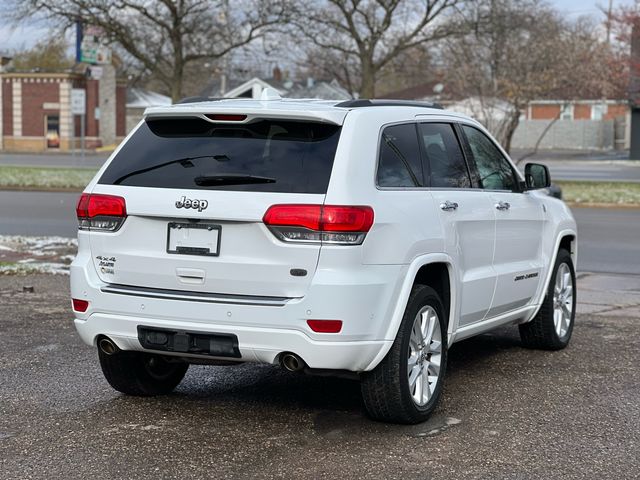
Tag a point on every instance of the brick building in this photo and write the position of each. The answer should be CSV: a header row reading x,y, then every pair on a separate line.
x,y
36,114
577,109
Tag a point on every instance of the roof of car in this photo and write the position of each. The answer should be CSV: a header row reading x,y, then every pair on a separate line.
x,y
332,111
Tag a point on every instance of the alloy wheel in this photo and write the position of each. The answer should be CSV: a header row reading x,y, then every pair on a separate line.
x,y
425,355
563,300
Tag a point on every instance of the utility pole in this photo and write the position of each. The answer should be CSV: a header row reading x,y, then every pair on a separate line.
x,y
634,93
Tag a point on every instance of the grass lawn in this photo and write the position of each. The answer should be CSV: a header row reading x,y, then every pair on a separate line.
x,y
614,193
45,178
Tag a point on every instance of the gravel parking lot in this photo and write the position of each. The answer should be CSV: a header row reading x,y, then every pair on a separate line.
x,y
507,412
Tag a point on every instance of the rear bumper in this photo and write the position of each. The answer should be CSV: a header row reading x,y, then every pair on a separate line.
x,y
363,299
255,344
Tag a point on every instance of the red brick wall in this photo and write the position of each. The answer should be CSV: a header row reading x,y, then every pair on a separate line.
x,y
614,111
581,112
121,112
93,125
7,112
544,112
33,96
76,124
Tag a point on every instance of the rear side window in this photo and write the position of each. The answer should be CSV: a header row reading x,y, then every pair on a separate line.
x,y
495,171
446,165
261,156
399,164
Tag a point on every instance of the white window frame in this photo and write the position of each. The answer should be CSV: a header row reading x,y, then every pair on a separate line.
x,y
566,112
598,107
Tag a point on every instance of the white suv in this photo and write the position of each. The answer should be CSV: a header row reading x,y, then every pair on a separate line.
x,y
362,237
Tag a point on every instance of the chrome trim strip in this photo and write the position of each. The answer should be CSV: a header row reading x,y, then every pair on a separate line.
x,y
167,294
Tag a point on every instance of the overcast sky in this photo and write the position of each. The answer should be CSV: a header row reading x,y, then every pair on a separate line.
x,y
18,38
576,8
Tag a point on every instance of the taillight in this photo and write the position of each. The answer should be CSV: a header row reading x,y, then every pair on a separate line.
x,y
335,224
103,213
225,117
79,305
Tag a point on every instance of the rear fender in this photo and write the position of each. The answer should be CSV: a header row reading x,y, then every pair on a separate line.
x,y
403,298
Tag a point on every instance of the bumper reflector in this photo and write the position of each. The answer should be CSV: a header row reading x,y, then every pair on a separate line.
x,y
79,305
325,326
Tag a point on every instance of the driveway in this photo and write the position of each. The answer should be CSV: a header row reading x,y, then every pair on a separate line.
x,y
507,412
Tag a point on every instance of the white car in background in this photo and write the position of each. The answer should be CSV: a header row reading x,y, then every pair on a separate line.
x,y
363,237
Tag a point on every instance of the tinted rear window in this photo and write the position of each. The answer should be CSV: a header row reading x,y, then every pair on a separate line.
x,y
399,164
262,156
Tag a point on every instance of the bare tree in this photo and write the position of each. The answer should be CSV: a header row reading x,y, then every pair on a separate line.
x,y
409,68
364,36
165,37
623,24
519,51
46,56
325,64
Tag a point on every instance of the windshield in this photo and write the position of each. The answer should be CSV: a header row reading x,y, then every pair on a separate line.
x,y
263,156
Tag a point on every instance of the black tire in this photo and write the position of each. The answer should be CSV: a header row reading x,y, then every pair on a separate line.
x,y
385,390
141,374
541,331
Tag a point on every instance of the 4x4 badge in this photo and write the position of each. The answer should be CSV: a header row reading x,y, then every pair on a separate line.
x,y
185,202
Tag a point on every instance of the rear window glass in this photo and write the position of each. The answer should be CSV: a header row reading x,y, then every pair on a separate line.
x,y
399,164
261,156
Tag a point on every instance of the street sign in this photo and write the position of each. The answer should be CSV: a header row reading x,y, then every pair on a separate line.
x,y
78,101
93,47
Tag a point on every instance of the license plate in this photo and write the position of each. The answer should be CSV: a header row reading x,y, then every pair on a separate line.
x,y
194,239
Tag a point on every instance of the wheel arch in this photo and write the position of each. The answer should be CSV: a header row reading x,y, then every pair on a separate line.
x,y
567,239
436,270
569,242
437,275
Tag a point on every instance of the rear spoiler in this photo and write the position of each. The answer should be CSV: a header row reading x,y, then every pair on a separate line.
x,y
251,112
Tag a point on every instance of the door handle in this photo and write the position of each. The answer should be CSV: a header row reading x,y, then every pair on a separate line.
x,y
448,206
503,205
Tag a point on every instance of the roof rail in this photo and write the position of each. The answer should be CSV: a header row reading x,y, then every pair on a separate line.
x,y
197,99
387,103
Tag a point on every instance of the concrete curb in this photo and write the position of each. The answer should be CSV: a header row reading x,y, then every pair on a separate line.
x,y
604,205
40,189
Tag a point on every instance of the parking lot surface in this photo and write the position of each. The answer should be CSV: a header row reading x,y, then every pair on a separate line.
x,y
507,412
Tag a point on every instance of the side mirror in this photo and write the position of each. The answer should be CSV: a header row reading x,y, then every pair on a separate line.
x,y
536,176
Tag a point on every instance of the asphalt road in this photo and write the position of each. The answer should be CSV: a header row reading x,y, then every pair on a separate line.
x,y
53,159
609,238
594,171
507,412
612,165
38,213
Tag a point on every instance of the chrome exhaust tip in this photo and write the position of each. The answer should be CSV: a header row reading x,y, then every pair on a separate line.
x,y
107,346
292,362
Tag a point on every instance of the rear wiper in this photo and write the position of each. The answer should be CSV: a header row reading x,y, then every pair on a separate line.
x,y
230,179
185,162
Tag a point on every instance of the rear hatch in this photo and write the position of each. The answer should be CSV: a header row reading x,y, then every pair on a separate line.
x,y
196,190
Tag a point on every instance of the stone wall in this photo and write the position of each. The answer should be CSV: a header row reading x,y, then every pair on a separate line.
x,y
107,96
134,115
566,134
